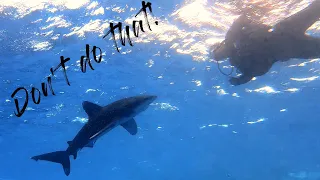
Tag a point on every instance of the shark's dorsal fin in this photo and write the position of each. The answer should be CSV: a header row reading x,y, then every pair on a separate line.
x,y
298,23
91,108
131,126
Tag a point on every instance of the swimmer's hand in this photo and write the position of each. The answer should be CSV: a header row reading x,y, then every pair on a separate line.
x,y
240,80
234,81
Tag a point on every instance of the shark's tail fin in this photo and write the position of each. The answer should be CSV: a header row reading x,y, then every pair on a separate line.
x,y
61,157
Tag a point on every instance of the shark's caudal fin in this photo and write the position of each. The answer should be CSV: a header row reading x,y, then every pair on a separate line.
x,y
302,20
61,157
75,153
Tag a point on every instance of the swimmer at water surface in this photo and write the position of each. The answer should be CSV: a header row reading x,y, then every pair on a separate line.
x,y
254,47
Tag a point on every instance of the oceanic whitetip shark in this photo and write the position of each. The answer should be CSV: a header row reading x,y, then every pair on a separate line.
x,y
100,121
254,47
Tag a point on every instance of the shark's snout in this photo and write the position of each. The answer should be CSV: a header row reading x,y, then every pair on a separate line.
x,y
142,102
152,98
145,99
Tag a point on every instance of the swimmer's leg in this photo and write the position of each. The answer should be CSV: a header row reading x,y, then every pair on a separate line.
x,y
302,20
240,80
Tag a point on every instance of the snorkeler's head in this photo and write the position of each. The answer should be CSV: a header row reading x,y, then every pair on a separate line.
x,y
219,51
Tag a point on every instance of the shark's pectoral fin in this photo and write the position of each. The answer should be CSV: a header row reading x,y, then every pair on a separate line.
x,y
301,21
130,126
90,144
91,108
75,155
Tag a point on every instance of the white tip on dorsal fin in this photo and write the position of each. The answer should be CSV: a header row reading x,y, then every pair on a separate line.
x,y
91,108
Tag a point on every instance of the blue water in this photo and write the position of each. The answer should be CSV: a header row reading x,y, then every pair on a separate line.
x,y
199,128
